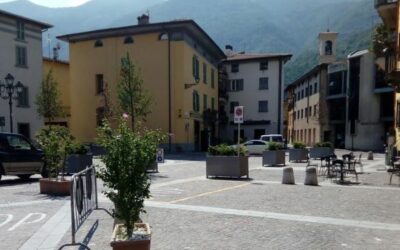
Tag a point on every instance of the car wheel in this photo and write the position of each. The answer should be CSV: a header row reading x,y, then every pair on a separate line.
x,y
24,177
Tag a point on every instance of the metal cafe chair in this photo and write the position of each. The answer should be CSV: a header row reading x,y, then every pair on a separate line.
x,y
395,169
350,165
358,162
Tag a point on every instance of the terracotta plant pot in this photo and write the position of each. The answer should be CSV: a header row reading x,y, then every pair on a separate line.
x,y
53,187
131,244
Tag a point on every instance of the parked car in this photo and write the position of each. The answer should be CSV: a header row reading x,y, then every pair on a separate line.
x,y
18,156
275,138
254,146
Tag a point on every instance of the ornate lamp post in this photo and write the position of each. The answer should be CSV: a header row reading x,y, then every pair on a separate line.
x,y
10,91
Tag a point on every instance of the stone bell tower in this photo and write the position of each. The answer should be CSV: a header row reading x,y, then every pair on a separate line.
x,y
327,47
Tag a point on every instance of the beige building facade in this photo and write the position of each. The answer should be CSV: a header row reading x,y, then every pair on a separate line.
x,y
178,62
307,116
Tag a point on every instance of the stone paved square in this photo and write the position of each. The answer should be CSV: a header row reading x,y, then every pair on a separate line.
x,y
189,211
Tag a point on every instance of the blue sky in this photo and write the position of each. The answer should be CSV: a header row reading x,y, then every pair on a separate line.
x,y
54,3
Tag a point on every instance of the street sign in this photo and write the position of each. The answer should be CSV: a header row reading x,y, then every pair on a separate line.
x,y
238,118
160,155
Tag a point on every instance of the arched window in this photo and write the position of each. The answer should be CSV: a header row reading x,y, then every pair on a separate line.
x,y
128,40
163,36
328,48
98,43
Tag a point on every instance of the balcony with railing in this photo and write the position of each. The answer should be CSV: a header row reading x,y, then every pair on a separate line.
x,y
387,11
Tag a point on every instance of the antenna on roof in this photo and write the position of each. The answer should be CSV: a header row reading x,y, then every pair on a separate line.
x,y
328,24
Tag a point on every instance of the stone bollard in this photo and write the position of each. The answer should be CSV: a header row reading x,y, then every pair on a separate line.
x,y
288,176
370,156
311,177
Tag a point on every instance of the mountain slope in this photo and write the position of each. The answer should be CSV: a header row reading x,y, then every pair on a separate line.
x,y
286,26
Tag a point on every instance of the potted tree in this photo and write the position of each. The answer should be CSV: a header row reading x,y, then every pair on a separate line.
x,y
274,155
56,144
124,175
321,149
298,152
223,161
79,158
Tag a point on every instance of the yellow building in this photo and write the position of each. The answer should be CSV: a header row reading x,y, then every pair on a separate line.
x,y
60,71
178,63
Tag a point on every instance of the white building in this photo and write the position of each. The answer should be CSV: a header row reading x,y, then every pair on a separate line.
x,y
370,103
256,81
21,57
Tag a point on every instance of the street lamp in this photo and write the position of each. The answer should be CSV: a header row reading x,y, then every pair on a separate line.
x,y
10,91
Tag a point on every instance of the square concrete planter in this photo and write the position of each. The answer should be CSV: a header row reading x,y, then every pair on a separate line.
x,y
298,154
319,152
53,187
227,166
139,243
273,157
77,163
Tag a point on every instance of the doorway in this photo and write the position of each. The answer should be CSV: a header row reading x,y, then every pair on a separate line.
x,y
24,129
196,136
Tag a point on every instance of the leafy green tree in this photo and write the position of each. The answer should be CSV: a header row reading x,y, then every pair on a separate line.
x,y
49,105
381,40
128,155
133,99
56,143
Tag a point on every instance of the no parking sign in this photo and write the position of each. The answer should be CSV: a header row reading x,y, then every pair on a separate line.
x,y
160,155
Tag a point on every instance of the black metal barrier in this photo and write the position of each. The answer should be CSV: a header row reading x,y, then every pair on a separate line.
x,y
83,201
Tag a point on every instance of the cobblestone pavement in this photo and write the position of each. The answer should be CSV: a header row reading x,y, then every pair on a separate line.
x,y
188,211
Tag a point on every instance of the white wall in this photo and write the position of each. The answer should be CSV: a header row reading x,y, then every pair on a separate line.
x,y
30,76
250,72
369,128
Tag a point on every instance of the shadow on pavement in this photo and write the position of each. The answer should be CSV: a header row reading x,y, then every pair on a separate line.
x,y
89,235
201,156
17,181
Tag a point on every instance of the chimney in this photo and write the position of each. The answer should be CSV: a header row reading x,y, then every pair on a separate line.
x,y
229,50
143,19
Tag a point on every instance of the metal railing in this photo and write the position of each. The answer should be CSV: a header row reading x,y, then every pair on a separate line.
x,y
83,201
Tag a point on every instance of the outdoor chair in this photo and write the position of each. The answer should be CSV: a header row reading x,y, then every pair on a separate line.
x,y
394,170
358,162
350,164
336,167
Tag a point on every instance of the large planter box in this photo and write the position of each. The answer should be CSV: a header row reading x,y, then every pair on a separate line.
x,y
77,163
53,187
152,167
298,154
273,158
132,244
319,152
227,166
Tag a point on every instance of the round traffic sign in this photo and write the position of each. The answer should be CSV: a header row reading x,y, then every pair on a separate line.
x,y
239,111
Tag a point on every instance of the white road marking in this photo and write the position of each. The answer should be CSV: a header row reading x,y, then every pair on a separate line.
x,y
40,216
278,216
179,181
9,217
51,233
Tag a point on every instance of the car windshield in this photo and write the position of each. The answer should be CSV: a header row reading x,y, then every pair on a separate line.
x,y
276,138
17,142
